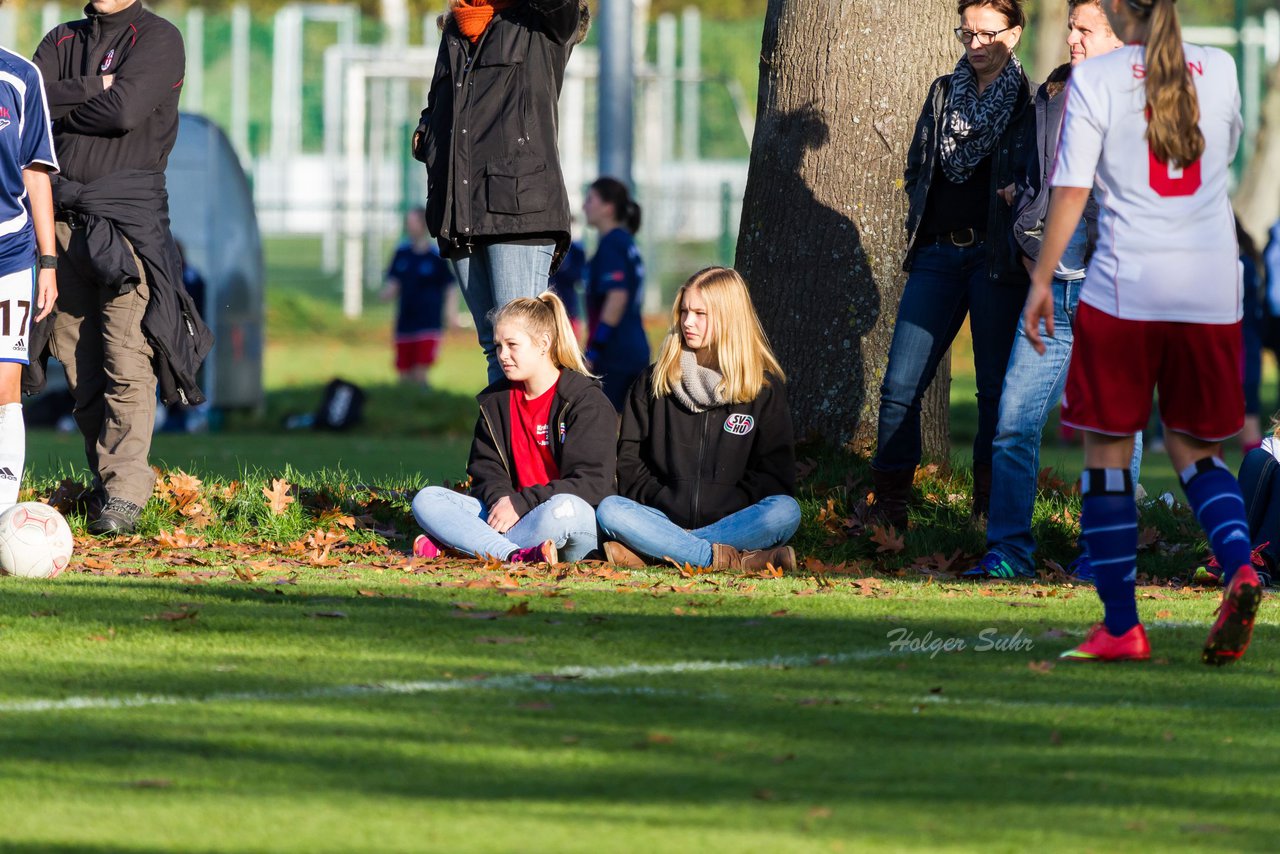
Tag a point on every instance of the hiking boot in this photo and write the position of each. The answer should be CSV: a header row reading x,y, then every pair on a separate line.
x,y
779,557
1229,637
993,566
117,517
725,557
541,553
619,555
1101,645
981,490
424,546
892,492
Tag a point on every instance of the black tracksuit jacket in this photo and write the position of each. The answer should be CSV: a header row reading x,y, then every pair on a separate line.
x,y
698,468
584,433
113,145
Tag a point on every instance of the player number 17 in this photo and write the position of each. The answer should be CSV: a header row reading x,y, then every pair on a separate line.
x,y
6,312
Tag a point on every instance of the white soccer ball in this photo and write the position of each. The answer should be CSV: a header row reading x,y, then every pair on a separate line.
x,y
35,541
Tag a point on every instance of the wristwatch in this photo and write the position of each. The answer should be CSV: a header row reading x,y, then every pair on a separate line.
x,y
48,262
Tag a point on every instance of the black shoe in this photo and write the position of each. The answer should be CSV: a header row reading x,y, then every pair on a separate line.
x,y
117,517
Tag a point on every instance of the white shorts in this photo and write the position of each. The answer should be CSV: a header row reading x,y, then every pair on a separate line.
x,y
17,310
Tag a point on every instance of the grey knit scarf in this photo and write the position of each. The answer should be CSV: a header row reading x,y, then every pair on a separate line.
x,y
972,123
697,391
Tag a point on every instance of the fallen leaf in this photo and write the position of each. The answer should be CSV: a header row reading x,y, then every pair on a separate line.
x,y
332,615
500,640
178,538
1163,614
887,539
1040,666
174,616
536,706
278,497
763,794
156,783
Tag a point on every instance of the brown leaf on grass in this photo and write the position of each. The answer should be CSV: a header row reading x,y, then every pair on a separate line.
x,y
47,613
174,616
536,706
781,612
1148,537
334,516
924,473
500,640
660,738
887,539
763,794
867,586
328,615
770,571
278,497
94,563
1040,666
178,538
245,575
1048,481
691,571
109,636
68,495
819,812
180,481
520,609
1163,614
156,783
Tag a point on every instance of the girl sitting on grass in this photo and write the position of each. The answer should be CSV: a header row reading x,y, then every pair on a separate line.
x,y
543,455
706,462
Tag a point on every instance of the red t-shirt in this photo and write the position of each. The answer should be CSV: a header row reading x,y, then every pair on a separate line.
x,y
531,438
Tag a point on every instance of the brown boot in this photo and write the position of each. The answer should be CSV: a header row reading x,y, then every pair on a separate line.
x,y
780,557
981,489
893,490
725,557
619,555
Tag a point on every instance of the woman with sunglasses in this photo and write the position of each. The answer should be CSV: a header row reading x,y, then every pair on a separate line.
x,y
974,136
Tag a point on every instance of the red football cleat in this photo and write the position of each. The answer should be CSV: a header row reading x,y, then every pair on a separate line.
x,y
1229,637
1101,645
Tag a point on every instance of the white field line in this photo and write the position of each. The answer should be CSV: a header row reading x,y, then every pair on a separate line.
x,y
521,682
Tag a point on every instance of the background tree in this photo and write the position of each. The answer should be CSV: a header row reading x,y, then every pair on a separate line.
x,y
1258,197
822,240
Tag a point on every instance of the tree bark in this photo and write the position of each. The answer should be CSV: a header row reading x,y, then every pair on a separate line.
x,y
1050,31
1258,197
842,83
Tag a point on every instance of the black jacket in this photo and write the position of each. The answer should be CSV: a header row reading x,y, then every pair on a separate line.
x,y
583,436
698,468
1004,263
132,125
1032,204
489,133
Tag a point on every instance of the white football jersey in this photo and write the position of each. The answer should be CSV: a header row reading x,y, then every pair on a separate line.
x,y
1166,236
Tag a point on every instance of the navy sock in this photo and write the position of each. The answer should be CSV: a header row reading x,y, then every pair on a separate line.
x,y
1109,527
1219,505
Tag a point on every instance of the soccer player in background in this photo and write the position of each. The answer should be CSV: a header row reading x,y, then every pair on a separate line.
x,y
421,282
28,281
1153,126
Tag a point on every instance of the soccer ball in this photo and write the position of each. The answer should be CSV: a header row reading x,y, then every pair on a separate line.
x,y
35,541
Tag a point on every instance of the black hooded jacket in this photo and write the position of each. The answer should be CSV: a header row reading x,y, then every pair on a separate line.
x,y
489,133
584,431
698,468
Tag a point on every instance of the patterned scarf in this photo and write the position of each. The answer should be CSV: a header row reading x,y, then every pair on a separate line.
x,y
698,390
973,123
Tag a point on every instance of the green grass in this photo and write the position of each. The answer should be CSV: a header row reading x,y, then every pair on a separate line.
x,y
866,749
258,692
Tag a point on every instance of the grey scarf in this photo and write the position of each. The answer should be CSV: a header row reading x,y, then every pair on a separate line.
x,y
973,123
697,391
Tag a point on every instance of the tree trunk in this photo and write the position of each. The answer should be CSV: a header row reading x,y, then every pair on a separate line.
x,y
1258,198
842,83
1050,31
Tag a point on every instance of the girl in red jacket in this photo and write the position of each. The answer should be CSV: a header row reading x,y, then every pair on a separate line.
x,y
706,459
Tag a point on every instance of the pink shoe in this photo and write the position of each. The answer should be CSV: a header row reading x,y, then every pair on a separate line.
x,y
541,553
424,546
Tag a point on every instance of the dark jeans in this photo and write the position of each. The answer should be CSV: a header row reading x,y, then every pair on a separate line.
x,y
945,283
1261,488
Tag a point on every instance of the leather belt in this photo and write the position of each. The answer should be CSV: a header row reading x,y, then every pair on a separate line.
x,y
962,238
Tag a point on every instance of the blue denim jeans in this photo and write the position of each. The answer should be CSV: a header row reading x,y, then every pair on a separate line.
x,y
769,522
945,284
492,276
1033,386
458,521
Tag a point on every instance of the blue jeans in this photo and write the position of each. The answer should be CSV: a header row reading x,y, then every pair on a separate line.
x,y
492,276
769,522
946,282
1033,386
458,521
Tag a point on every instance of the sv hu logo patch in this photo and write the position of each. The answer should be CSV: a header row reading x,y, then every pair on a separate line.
x,y
739,424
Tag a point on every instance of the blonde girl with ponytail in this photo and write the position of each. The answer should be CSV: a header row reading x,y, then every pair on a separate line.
x,y
544,451
1153,126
